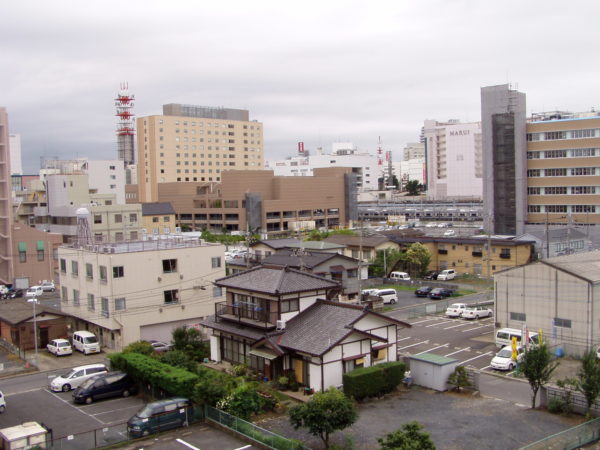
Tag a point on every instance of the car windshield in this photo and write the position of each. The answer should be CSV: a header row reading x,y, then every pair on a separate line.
x,y
145,412
68,374
90,340
506,352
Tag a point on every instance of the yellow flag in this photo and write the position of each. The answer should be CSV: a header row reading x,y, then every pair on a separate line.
x,y
514,348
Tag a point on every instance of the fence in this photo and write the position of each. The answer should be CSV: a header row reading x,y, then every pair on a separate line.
x,y
101,437
577,400
266,437
569,439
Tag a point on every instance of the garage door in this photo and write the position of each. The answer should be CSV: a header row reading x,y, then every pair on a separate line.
x,y
163,331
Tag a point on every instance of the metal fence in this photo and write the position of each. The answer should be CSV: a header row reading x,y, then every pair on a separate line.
x,y
569,439
266,437
101,437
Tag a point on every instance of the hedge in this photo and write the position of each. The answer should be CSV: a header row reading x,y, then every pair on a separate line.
x,y
374,380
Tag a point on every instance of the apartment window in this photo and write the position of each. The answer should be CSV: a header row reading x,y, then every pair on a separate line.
x,y
63,265
74,268
533,173
555,172
556,208
40,250
555,190
90,302
533,155
555,154
118,272
367,254
554,135
563,323
583,171
215,261
133,235
132,217
290,305
579,152
22,252
352,273
104,305
583,190
217,291
578,134
97,218
155,219
534,208
120,304
583,208
103,273
75,297
521,317
118,218
169,265
534,191
171,296
89,271
533,136
505,253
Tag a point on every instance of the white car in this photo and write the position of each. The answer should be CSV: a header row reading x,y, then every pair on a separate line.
x,y
48,286
34,291
503,359
160,346
59,347
449,233
455,309
75,377
476,312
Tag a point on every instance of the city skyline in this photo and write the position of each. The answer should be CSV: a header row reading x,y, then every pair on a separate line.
x,y
339,71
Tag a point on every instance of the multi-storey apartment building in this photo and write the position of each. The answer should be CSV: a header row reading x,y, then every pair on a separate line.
x,y
453,148
563,168
6,268
127,291
195,143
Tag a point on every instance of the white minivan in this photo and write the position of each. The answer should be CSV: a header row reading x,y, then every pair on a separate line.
x,y
76,376
448,274
400,276
387,295
504,337
86,342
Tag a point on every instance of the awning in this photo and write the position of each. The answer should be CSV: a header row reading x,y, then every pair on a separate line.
x,y
350,358
22,247
379,347
337,269
264,353
40,245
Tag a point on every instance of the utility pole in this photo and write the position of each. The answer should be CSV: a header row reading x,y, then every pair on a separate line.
x,y
547,238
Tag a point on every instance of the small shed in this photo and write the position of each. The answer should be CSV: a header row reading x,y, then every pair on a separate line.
x,y
26,435
431,371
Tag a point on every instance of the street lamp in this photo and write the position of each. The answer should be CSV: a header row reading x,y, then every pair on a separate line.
x,y
34,301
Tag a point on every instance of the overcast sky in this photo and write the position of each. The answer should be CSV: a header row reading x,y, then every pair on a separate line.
x,y
311,71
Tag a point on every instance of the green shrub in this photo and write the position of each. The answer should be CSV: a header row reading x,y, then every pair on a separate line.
x,y
283,382
394,373
178,358
212,387
243,401
555,405
373,381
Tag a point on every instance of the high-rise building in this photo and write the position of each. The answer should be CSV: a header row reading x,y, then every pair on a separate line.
x,y
195,143
454,159
6,267
16,166
503,127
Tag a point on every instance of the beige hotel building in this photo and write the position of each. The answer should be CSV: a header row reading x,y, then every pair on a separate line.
x,y
195,144
563,168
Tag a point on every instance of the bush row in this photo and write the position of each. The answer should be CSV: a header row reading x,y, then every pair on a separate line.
x,y
374,380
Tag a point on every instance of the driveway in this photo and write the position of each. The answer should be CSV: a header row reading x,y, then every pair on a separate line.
x,y
455,421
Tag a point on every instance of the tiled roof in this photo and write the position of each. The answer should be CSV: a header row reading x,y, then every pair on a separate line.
x,y
309,259
481,240
275,280
355,241
232,328
154,209
296,243
19,310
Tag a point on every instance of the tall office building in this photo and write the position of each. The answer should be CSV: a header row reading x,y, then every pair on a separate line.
x,y
454,159
563,162
503,126
195,143
6,267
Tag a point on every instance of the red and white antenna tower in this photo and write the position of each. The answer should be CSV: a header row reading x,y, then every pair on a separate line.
x,y
125,127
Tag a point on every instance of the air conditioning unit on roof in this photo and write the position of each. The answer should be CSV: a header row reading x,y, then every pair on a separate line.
x,y
280,325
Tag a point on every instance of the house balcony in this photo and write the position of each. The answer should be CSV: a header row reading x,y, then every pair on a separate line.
x,y
245,314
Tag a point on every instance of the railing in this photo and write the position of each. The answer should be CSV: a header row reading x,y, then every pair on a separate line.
x,y
242,310
569,439
255,433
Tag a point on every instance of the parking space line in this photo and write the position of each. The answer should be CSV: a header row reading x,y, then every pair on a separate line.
x,y
403,339
483,354
445,322
476,328
424,342
182,442
25,392
486,367
431,349
423,321
458,351
456,326
74,407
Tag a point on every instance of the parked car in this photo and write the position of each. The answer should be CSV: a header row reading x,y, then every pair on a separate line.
x,y
431,275
76,376
423,291
445,275
503,359
449,233
111,384
59,347
399,276
48,286
439,293
160,416
160,346
86,342
12,293
476,312
2,402
455,309
34,292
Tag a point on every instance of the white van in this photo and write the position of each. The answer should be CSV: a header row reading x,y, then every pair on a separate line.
x,y
86,342
447,274
387,295
504,337
400,276
75,377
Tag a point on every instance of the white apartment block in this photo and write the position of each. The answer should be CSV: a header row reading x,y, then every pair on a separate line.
x,y
16,163
408,170
414,150
125,292
343,154
454,159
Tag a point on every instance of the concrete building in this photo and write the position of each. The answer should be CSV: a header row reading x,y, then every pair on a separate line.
x,y
343,154
259,201
408,170
124,292
504,144
6,268
16,163
454,159
158,218
115,223
558,296
195,144
413,150
34,255
557,242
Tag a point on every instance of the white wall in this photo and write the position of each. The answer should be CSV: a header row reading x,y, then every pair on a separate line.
x,y
16,163
107,177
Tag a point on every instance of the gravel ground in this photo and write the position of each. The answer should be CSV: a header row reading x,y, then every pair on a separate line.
x,y
455,421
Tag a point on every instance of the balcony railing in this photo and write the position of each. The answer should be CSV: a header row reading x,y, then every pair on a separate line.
x,y
244,313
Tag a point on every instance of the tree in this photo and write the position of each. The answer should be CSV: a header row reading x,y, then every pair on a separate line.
x,y
189,341
177,358
459,378
413,187
409,437
395,181
418,255
324,414
385,262
537,366
588,379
